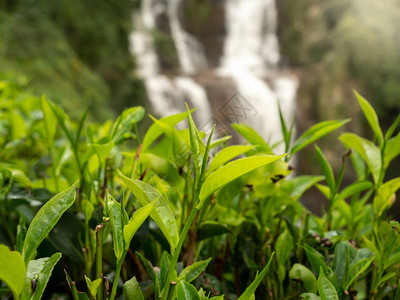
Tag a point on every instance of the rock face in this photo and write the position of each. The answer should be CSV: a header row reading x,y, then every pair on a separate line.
x,y
221,56
206,21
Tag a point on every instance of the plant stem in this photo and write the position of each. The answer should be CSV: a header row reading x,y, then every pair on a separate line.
x,y
99,258
174,260
117,273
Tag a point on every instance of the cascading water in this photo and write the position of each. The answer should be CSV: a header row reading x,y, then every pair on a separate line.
x,y
250,60
251,54
168,94
190,51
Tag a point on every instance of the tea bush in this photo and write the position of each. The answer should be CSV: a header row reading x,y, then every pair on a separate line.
x,y
101,212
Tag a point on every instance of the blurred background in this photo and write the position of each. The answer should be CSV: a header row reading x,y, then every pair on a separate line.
x,y
233,60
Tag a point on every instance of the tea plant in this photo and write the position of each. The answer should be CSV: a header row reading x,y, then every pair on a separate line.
x,y
177,214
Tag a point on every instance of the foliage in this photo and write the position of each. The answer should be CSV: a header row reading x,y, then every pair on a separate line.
x,y
171,215
64,48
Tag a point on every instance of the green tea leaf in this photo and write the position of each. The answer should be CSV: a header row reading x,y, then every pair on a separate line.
x,y
385,196
87,208
316,132
368,151
250,290
93,285
63,120
359,165
392,149
137,219
180,149
162,214
186,291
226,155
12,269
164,169
309,296
219,141
396,226
191,272
39,270
102,150
298,185
205,161
353,189
358,268
195,143
326,289
45,220
283,248
115,214
132,290
392,128
164,265
78,132
231,171
326,169
123,125
286,133
147,265
304,274
50,120
154,132
252,137
316,260
371,116
386,279
17,174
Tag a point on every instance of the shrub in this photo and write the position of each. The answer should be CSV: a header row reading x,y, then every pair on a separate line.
x,y
169,215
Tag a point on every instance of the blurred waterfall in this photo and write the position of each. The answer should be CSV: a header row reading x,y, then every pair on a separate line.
x,y
168,94
249,64
251,54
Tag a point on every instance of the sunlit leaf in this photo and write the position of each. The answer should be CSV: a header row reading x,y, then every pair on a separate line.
x,y
326,169
368,151
162,214
12,269
123,125
137,219
371,116
155,131
50,120
226,155
305,276
392,149
385,196
252,137
93,285
231,171
316,132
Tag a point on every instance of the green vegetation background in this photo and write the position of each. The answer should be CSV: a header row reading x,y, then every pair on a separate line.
x,y
76,52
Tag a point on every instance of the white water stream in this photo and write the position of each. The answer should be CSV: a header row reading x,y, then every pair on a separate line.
x,y
251,53
250,57
167,95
